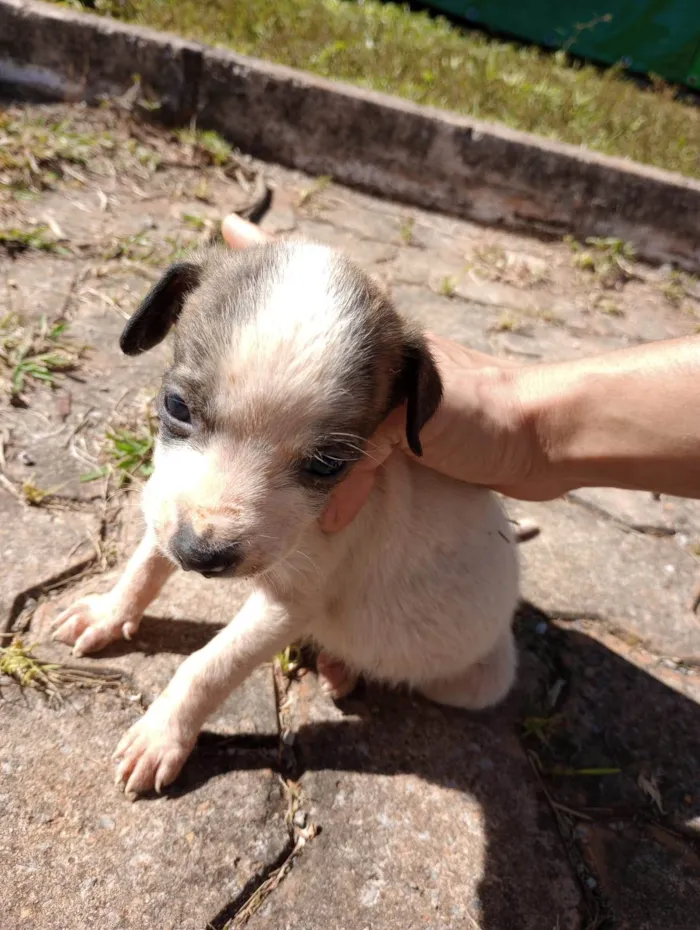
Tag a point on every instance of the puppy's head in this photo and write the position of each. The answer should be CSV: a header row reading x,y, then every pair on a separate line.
x,y
286,359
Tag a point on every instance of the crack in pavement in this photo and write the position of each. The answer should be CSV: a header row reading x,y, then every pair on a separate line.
x,y
301,829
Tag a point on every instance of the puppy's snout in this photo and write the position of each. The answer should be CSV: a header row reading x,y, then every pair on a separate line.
x,y
204,554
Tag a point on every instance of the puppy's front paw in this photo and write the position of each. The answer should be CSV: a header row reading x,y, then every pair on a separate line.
x,y
92,623
152,753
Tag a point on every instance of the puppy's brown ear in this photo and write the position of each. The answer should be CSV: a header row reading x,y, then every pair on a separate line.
x,y
160,309
420,386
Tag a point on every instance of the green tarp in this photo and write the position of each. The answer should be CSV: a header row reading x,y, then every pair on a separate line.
x,y
648,36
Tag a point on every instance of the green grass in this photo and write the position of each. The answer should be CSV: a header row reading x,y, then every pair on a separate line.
x,y
608,259
388,48
35,151
447,286
128,453
35,353
18,661
208,145
39,238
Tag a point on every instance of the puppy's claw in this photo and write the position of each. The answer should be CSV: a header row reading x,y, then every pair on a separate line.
x,y
120,778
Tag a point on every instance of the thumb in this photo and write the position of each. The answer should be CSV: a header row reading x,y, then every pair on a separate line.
x,y
350,496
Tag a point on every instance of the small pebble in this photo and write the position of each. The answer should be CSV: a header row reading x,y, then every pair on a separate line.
x,y
26,458
525,530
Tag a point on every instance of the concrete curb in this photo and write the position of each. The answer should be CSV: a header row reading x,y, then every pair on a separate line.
x,y
378,143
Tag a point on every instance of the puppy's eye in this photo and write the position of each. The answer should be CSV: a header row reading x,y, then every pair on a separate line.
x,y
177,408
323,466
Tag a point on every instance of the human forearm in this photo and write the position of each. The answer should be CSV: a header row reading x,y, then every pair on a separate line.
x,y
628,419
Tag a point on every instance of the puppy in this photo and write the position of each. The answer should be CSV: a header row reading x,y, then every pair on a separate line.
x,y
286,360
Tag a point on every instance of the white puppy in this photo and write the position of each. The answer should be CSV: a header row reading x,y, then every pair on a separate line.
x,y
287,358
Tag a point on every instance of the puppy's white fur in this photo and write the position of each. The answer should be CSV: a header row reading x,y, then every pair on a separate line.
x,y
420,589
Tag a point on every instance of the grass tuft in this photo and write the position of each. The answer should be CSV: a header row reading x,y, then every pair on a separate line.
x,y
127,453
18,662
608,260
38,238
36,151
290,660
36,353
208,145
447,287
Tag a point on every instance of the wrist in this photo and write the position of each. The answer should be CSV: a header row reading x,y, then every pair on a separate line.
x,y
550,401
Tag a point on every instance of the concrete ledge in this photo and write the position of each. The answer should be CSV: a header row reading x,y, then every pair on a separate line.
x,y
378,143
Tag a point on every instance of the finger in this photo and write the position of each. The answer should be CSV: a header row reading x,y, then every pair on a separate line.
x,y
240,234
347,501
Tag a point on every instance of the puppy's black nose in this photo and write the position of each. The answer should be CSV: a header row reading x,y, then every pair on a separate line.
x,y
203,554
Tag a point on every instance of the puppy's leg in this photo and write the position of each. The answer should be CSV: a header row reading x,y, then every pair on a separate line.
x,y
481,685
336,679
94,621
154,750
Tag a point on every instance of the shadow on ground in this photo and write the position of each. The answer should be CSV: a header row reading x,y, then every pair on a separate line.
x,y
595,730
162,634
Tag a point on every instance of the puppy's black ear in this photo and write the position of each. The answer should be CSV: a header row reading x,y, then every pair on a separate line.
x,y
420,386
160,309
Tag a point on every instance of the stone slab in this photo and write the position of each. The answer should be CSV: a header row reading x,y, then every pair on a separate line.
x,y
640,509
584,566
39,546
429,818
76,853
618,751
